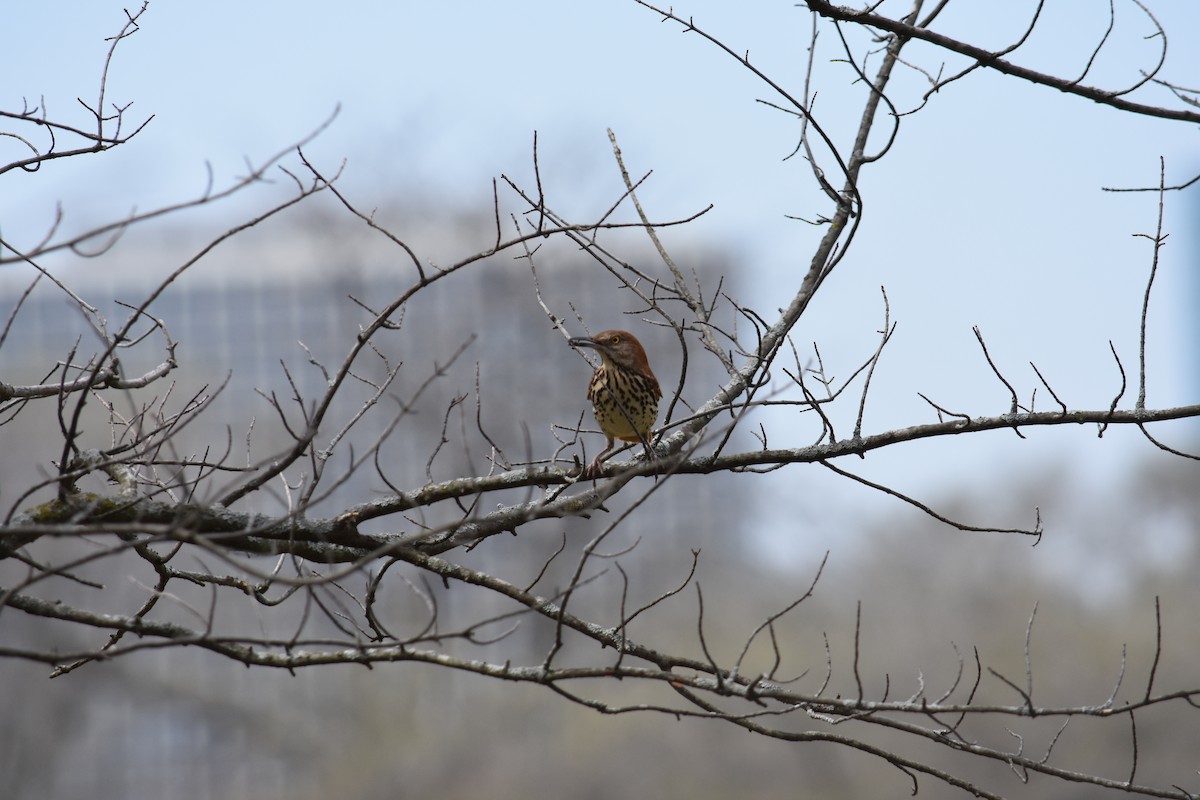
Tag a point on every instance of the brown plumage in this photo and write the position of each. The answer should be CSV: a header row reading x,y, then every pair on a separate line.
x,y
623,391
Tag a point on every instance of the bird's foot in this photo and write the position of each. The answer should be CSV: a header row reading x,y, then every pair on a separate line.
x,y
592,471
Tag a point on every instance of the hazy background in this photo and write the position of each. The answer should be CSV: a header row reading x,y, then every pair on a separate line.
x,y
988,212
993,188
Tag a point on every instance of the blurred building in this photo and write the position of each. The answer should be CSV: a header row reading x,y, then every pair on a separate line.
x,y
198,727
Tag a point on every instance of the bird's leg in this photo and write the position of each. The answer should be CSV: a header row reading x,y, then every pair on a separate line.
x,y
651,456
593,470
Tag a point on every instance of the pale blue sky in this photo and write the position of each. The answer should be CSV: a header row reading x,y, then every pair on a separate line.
x,y
988,211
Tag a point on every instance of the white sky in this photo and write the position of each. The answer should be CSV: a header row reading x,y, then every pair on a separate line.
x,y
987,212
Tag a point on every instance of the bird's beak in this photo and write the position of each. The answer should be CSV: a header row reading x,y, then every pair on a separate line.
x,y
582,341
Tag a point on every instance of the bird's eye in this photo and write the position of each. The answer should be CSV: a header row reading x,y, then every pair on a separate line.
x,y
615,340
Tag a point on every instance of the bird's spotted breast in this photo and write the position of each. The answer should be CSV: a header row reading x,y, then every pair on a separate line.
x,y
625,403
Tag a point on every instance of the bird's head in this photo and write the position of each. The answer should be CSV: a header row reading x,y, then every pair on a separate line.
x,y
620,348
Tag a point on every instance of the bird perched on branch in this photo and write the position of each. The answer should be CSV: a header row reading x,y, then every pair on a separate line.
x,y
623,391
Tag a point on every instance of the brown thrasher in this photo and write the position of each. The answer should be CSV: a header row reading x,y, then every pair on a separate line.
x,y
623,391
